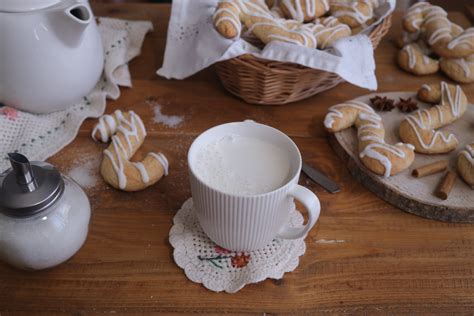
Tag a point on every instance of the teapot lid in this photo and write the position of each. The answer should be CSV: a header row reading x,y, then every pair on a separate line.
x,y
25,5
29,188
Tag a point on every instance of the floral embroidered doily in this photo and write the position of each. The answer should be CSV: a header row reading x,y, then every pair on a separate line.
x,y
219,269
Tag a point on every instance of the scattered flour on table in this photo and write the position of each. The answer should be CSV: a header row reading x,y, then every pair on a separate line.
x,y
85,171
172,121
330,241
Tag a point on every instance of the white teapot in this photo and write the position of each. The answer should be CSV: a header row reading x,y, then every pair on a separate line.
x,y
51,53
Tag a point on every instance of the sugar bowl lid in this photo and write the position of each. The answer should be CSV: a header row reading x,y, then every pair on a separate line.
x,y
28,188
25,5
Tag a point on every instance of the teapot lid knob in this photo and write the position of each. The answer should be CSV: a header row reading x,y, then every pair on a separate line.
x,y
28,188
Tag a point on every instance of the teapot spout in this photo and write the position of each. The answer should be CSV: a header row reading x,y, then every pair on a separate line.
x,y
80,15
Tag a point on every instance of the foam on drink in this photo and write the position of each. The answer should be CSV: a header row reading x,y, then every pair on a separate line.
x,y
242,165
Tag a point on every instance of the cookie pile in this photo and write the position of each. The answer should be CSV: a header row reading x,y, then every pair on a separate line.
x,y
430,42
309,23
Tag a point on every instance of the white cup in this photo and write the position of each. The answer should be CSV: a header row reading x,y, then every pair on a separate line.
x,y
250,222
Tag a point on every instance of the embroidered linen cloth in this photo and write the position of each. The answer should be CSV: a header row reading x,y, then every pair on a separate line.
x,y
41,136
219,269
193,44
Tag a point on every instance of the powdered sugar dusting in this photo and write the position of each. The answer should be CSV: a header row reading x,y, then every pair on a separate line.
x,y
85,171
172,121
330,241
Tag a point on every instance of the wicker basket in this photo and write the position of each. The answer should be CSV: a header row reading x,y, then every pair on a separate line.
x,y
261,81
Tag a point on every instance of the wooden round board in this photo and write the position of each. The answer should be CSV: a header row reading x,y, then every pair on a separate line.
x,y
414,195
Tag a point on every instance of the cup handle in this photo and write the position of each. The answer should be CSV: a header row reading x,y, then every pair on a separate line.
x,y
312,205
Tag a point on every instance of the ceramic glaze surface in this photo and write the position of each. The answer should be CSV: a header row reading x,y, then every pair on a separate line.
x,y
49,58
243,222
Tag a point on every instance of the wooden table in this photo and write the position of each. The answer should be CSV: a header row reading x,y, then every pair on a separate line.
x,y
364,256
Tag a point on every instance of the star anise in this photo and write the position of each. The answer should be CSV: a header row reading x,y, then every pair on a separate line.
x,y
382,103
407,105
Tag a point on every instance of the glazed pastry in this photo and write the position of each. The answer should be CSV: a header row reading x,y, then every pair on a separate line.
x,y
411,37
363,27
446,39
256,16
456,30
419,128
449,46
354,13
378,156
227,18
416,14
465,164
406,38
459,69
127,133
275,10
271,3
304,10
327,31
412,59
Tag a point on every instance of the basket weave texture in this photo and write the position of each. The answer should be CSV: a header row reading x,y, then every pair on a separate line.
x,y
267,82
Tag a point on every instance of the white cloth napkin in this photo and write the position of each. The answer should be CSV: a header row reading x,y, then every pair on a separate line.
x,y
193,44
41,136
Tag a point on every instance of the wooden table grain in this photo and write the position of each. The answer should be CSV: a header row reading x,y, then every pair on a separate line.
x,y
363,257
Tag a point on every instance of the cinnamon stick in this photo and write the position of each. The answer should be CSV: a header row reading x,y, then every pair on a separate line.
x,y
446,185
431,168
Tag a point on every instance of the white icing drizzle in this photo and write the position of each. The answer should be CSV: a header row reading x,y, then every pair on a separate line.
x,y
456,28
440,112
275,11
422,119
415,23
438,34
465,38
426,60
295,8
143,172
101,128
162,160
297,36
233,18
117,164
422,14
370,122
411,56
129,129
455,105
426,87
370,151
330,25
123,132
371,131
350,9
413,11
468,152
436,135
334,111
461,62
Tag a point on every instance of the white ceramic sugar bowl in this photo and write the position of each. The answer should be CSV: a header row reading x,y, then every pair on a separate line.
x,y
51,53
44,217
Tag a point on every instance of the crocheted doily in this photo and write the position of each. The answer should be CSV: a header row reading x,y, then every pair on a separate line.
x,y
219,269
